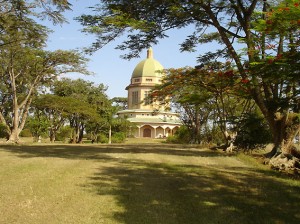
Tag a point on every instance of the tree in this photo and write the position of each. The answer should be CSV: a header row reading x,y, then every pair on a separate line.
x,y
24,70
211,94
187,98
85,106
38,8
38,125
55,108
25,66
147,21
120,102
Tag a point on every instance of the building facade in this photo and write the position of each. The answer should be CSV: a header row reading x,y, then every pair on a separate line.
x,y
152,120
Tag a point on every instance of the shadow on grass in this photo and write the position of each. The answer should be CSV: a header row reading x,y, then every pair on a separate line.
x,y
172,193
101,151
158,193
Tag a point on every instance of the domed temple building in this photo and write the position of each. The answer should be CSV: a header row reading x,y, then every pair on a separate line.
x,y
152,120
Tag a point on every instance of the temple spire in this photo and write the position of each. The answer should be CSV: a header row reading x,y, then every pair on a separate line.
x,y
150,53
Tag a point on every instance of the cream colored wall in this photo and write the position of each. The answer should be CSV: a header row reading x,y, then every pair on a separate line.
x,y
146,80
157,131
141,90
130,104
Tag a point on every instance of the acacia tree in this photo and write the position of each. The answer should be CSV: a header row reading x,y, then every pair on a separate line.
x,y
23,72
120,102
55,108
39,8
18,14
38,125
146,21
25,67
86,104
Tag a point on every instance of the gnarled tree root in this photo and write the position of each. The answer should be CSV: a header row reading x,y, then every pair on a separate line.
x,y
284,162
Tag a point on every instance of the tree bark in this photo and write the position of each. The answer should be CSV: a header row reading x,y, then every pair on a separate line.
x,y
284,130
14,136
52,135
80,133
109,135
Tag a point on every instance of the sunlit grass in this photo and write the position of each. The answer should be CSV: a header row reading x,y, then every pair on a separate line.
x,y
136,183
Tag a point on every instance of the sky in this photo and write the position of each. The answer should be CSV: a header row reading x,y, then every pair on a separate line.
x,y
106,64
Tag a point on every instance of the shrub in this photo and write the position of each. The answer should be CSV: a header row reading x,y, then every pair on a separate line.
x,y
26,133
253,132
181,136
172,139
3,131
118,137
214,136
102,138
64,134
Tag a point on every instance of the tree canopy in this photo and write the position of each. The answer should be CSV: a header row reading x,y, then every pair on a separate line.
x,y
267,56
25,66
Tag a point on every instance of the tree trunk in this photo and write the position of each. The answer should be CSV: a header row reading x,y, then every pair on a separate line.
x,y
52,135
109,135
14,136
284,130
282,156
73,140
80,133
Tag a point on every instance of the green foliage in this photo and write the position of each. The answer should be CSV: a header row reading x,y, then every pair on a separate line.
x,y
213,136
26,133
38,126
253,132
102,138
3,131
118,137
25,66
64,134
121,125
267,71
181,136
38,9
87,105
120,102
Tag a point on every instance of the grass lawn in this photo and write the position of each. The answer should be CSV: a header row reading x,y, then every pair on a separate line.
x,y
136,184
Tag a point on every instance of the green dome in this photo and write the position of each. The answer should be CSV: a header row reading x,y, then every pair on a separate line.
x,y
148,67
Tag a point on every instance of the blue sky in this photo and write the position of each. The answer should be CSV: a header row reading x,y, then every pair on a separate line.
x,y
106,63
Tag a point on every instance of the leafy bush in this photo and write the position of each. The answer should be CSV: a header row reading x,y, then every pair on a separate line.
x,y
38,126
118,137
3,131
253,132
64,134
102,138
181,136
26,133
213,136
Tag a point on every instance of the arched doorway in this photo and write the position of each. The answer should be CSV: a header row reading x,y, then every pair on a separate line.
x,y
147,133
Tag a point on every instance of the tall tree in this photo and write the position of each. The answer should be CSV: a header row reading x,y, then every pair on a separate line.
x,y
23,72
146,21
55,108
187,98
88,103
212,93
25,67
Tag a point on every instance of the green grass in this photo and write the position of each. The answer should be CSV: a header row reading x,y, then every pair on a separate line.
x,y
136,184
